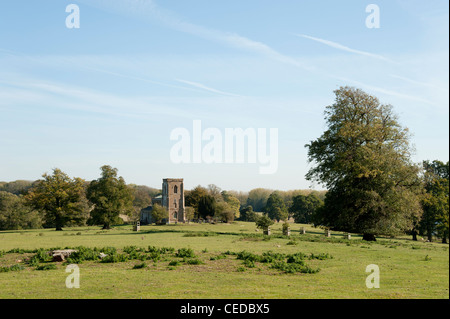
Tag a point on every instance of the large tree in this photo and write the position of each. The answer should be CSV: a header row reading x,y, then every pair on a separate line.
x,y
192,198
59,197
435,220
16,214
110,196
159,213
206,206
364,159
276,208
304,207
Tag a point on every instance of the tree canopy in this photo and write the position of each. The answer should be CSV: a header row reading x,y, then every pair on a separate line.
x,y
59,197
435,220
110,196
363,158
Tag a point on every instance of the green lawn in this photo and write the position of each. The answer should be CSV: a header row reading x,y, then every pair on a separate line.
x,y
407,269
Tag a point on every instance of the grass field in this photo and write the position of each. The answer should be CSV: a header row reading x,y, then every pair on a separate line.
x,y
407,269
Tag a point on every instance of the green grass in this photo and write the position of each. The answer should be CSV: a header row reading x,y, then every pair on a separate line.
x,y
207,261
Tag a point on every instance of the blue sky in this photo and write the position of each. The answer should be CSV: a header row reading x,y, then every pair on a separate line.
x,y
112,91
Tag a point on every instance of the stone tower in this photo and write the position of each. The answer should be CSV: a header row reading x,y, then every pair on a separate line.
x,y
173,199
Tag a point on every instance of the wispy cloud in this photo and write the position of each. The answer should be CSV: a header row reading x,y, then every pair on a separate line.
x,y
343,47
388,92
204,87
419,83
150,11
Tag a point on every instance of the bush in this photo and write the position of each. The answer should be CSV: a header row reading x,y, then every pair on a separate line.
x,y
12,268
140,266
46,267
162,250
174,263
264,222
249,263
291,268
185,252
245,255
320,256
221,256
84,254
193,261
200,234
116,258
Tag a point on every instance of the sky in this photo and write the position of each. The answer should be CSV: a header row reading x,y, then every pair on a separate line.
x,y
112,91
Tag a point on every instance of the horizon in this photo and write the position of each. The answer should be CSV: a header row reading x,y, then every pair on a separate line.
x,y
113,88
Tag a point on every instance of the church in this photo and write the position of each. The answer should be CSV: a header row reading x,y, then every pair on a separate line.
x,y
172,199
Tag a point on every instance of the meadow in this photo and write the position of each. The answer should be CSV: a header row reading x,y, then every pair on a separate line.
x,y
228,261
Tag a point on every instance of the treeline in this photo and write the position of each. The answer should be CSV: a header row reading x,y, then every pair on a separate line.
x,y
58,201
212,203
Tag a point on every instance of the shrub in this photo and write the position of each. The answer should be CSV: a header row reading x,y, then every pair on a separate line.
x,y
140,266
16,267
322,256
162,250
12,268
245,255
174,263
185,252
46,267
221,256
193,261
296,258
200,234
269,256
115,258
249,263
291,268
83,254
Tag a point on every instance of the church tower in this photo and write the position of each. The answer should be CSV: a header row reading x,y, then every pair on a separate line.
x,y
173,199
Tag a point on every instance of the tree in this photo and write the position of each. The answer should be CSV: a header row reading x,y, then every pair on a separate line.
x,y
159,213
275,208
189,213
257,198
363,158
142,199
15,214
19,187
224,212
233,203
247,214
435,219
304,207
111,197
263,222
207,206
192,198
59,197
214,191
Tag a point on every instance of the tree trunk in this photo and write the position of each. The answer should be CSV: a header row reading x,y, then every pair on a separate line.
x,y
414,235
58,228
444,240
106,226
369,237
